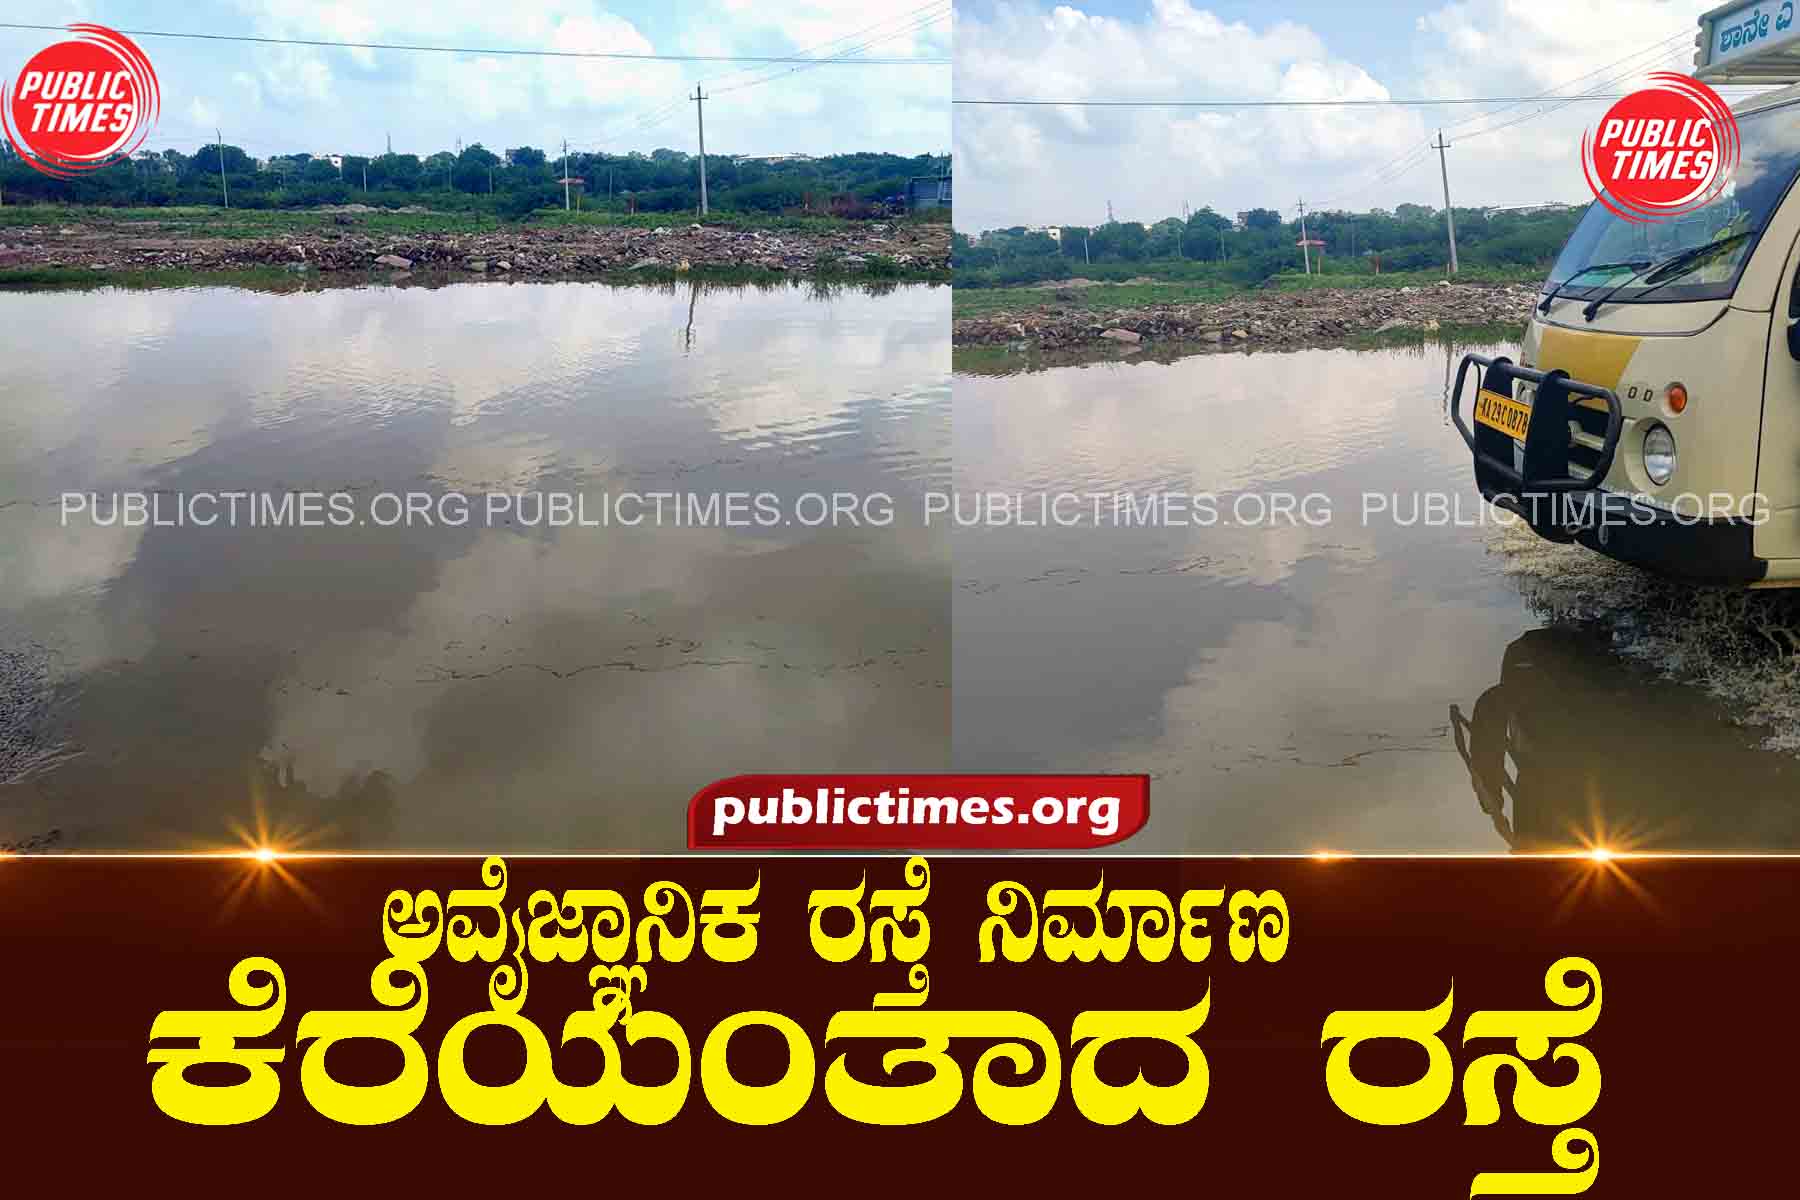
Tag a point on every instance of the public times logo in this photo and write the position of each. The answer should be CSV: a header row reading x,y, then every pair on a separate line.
x,y
1662,151
81,104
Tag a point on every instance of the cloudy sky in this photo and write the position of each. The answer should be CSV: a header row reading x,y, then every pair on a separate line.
x,y
1061,165
278,99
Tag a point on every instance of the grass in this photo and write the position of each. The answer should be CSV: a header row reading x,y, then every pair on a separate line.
x,y
1393,279
139,278
214,222
1456,333
242,222
280,279
975,302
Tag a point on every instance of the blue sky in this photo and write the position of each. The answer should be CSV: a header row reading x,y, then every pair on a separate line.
x,y
1062,165
272,99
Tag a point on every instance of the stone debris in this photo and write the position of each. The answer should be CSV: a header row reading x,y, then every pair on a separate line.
x,y
1266,317
526,250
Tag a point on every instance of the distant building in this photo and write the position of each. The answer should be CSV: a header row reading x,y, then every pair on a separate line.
x,y
771,158
928,191
336,160
1053,232
1242,222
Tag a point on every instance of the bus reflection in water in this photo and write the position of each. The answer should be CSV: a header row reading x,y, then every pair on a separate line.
x,y
1574,749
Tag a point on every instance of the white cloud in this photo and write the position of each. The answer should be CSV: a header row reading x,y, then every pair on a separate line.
x,y
1051,164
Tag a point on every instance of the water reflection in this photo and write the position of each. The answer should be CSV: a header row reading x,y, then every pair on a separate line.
x,y
1573,749
465,687
1285,683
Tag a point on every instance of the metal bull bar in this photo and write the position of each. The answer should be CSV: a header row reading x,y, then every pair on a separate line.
x,y
1546,458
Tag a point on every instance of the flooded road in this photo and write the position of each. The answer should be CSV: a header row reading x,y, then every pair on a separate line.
x,y
1354,683
474,687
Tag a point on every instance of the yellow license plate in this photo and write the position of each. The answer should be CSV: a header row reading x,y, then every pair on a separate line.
x,y
1509,416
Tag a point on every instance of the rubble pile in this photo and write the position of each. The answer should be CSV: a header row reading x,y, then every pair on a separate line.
x,y
521,250
1260,318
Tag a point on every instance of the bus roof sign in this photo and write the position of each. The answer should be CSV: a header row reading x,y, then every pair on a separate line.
x,y
1749,41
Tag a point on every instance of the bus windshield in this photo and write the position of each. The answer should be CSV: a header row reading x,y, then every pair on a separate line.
x,y
1605,249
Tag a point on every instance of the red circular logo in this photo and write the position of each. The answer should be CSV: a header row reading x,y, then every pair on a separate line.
x,y
1662,151
82,104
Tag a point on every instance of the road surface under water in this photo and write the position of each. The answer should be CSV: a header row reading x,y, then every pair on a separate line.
x,y
475,687
1372,684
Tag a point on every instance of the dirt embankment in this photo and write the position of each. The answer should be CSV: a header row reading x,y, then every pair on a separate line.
x,y
1261,318
523,250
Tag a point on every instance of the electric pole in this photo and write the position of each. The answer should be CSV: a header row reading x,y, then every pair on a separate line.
x,y
223,188
700,119
1109,216
365,176
390,138
1449,219
1305,250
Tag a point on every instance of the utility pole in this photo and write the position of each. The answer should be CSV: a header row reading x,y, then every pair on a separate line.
x,y
1449,219
1305,250
365,176
1086,259
390,138
1109,216
223,187
565,174
700,119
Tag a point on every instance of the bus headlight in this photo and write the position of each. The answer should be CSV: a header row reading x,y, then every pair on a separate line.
x,y
1659,454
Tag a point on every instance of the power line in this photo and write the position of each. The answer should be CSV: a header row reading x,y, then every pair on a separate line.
x,y
328,44
1656,48
1396,103
917,23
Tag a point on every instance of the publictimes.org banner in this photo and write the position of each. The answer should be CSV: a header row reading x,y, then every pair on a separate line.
x,y
1260,1026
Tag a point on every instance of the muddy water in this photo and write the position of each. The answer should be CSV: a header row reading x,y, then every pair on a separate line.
x,y
460,688
1374,684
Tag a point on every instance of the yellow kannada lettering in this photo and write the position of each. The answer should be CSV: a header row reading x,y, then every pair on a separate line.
x,y
1023,1042
1164,1104
398,985
641,1104
1398,1104
997,935
727,929
1575,1151
1533,1100
752,1104
216,1036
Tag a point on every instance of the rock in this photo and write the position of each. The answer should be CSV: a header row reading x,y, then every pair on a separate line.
x,y
1431,326
503,265
1123,335
10,258
1241,334
298,252
695,227
475,264
395,261
1391,324
1212,335
683,265
659,231
642,263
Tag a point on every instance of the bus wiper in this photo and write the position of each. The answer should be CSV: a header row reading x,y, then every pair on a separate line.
x,y
1674,266
1636,264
